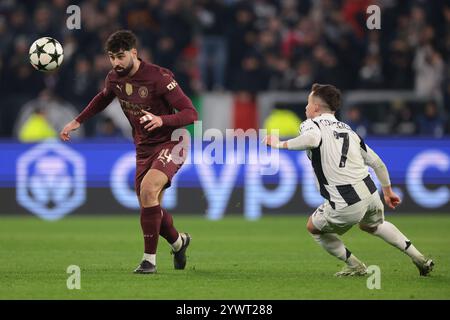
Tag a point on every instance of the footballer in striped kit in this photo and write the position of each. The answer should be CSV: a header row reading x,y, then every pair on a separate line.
x,y
340,158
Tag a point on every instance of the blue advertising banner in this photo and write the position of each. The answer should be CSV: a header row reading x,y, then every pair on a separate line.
x,y
53,179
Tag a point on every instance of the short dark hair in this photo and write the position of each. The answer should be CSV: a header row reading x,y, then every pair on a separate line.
x,y
121,40
329,94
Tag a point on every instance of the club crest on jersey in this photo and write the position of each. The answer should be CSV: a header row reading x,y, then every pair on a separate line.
x,y
128,89
143,92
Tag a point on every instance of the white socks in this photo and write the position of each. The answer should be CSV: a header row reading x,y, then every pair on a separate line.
x,y
389,233
178,243
150,258
386,231
334,246
353,261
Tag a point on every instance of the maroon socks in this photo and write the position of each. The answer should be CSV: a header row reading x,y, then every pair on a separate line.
x,y
156,221
151,222
168,231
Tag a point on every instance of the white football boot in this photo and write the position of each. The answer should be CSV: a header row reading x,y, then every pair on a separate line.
x,y
347,271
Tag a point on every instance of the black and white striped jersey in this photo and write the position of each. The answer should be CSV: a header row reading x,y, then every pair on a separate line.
x,y
339,158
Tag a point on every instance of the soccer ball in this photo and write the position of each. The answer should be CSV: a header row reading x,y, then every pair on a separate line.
x,y
46,54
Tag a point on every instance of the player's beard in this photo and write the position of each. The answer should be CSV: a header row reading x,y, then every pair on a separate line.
x,y
124,72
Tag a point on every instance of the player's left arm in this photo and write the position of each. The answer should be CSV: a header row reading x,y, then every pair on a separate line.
x,y
309,138
374,161
169,89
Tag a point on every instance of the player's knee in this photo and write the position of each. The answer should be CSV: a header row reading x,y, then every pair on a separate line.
x,y
150,192
367,228
310,227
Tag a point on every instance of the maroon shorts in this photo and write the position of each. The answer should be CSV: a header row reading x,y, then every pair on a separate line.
x,y
162,158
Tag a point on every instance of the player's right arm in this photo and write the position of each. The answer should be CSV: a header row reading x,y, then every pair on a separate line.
x,y
374,161
97,104
309,138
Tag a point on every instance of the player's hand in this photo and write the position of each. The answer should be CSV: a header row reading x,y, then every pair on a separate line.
x,y
391,198
272,141
153,121
65,132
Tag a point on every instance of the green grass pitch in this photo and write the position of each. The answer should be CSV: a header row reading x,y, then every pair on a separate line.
x,y
272,258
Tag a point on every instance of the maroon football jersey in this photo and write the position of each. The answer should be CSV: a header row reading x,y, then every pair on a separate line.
x,y
151,88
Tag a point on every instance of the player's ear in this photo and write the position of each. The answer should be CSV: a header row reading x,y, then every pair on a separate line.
x,y
316,107
134,52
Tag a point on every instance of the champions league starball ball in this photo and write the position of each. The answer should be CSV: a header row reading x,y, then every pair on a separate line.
x,y
46,54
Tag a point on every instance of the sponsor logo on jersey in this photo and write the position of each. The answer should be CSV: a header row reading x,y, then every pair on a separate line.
x,y
134,109
172,85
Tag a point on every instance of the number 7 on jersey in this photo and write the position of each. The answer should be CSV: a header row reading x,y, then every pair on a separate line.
x,y
343,135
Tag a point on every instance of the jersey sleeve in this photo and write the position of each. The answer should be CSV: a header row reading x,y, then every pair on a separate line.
x,y
372,160
309,138
167,87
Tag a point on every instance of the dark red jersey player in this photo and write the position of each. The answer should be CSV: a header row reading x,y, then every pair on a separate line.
x,y
149,96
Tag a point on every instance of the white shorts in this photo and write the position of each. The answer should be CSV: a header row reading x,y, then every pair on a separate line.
x,y
369,211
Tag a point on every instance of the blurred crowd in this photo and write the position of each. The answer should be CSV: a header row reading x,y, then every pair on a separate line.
x,y
238,46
